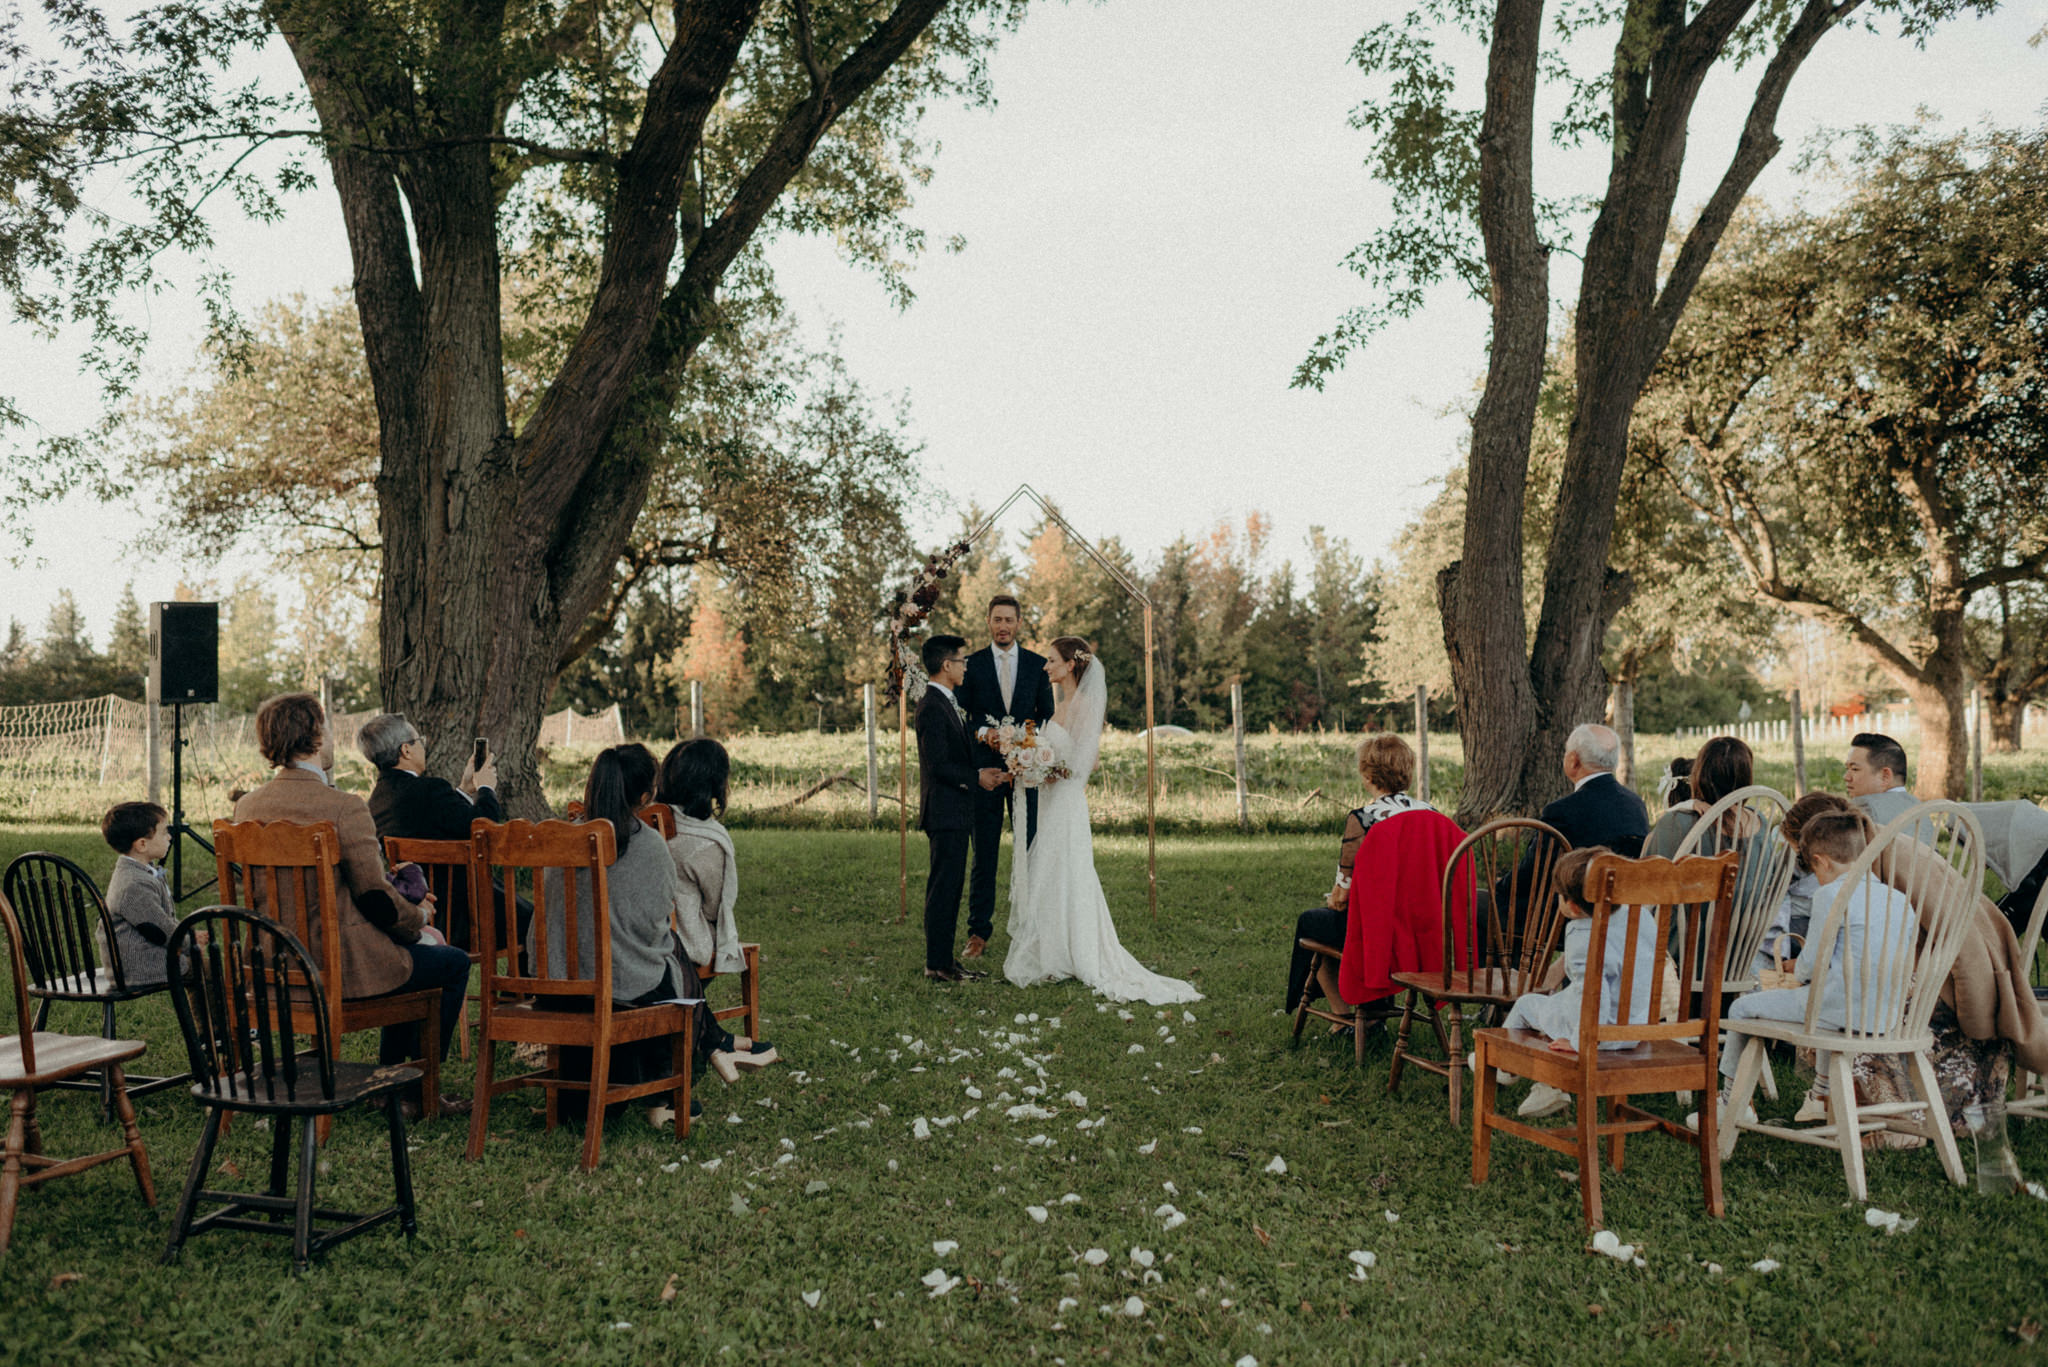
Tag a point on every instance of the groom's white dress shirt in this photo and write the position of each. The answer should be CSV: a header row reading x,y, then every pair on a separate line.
x,y
1006,671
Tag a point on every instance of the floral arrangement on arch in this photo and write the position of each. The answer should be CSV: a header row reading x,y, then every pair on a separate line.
x,y
908,612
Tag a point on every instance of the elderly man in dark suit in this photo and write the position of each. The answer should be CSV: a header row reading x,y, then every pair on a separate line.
x,y
1003,680
948,782
1598,810
412,804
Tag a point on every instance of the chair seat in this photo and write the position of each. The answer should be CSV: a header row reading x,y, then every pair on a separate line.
x,y
1318,947
1621,1072
1482,985
353,1082
535,1021
1796,1033
97,986
62,1056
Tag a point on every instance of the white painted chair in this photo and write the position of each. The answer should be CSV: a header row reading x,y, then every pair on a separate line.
x,y
2030,1090
1769,864
1892,987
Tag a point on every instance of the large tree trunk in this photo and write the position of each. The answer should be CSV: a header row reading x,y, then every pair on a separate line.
x,y
1480,597
1943,764
2008,722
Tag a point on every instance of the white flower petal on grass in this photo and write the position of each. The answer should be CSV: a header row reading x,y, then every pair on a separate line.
x,y
1188,1017
1153,1278
670,1167
788,1145
1890,1221
943,1286
811,1298
739,1205
1134,1307
1278,1166
816,1186
1607,1242
1192,1129
1067,1303
1142,1257
1148,1146
622,1324
782,1158
1037,1213
944,1246
1363,1257
892,1165
974,1093
711,1164
1392,1218
1176,1220
1075,1099
1072,1198
1165,1030
970,1113
1124,1015
1714,1268
1135,1049
1095,1257
1027,1111
920,1128
1169,1188
1765,1265
734,1120
2037,1191
1038,1141
1247,1361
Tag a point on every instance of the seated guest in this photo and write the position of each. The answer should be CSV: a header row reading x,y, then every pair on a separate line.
x,y
138,899
412,804
695,783
647,961
1557,1014
381,949
1386,766
1597,811
1877,928
1874,775
1724,765
1676,784
1396,900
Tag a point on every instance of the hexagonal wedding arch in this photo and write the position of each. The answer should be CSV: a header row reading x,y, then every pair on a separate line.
x,y
915,605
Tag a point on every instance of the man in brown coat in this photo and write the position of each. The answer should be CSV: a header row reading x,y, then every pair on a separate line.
x,y
381,949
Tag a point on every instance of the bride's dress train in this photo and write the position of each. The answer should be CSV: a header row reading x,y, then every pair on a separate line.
x,y
1060,925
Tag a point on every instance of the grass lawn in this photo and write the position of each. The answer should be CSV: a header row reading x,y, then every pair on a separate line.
x,y
808,1178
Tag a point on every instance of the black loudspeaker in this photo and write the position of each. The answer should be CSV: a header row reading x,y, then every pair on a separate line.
x,y
184,642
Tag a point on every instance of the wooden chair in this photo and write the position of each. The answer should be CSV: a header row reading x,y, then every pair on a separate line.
x,y
31,1060
1680,1055
446,866
242,997
1892,986
1506,952
566,1003
65,925
2030,1089
662,817
291,873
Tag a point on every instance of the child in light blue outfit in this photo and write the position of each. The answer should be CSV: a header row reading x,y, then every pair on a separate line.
x,y
1557,1014
1864,994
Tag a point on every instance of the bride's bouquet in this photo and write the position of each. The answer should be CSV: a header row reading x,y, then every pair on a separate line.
x,y
1031,762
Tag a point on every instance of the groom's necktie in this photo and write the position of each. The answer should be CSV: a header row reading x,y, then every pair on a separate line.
x,y
1006,670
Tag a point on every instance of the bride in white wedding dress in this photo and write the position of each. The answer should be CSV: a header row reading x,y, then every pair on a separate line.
x,y
1060,925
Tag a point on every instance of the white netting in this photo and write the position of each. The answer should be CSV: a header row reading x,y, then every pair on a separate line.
x,y
570,727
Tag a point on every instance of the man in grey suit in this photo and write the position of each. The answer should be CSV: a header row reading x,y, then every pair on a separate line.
x,y
1875,775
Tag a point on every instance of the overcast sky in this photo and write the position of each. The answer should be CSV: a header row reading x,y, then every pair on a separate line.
x,y
1156,213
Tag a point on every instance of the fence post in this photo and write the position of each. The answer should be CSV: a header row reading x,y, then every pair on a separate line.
x,y
107,741
1244,815
867,707
1798,747
1422,741
696,708
1625,728
1977,746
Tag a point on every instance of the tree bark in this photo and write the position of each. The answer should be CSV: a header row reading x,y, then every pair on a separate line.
x,y
2008,718
1480,596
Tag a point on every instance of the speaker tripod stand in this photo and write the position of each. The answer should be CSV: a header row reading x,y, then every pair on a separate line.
x,y
180,830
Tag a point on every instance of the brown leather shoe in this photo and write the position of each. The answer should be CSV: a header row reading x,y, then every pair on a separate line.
x,y
975,945
942,975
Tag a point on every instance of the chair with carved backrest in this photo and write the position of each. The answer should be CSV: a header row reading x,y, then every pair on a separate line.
x,y
566,1002
292,874
65,928
1503,870
662,817
1911,936
31,1060
1661,1056
246,990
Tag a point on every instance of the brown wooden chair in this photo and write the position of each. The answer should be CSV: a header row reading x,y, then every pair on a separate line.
x,y
566,1003
246,989
291,873
30,1060
662,817
446,866
1677,1056
65,927
1503,870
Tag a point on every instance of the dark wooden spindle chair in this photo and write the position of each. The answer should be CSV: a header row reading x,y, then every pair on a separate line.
x,y
291,873
247,989
1669,1056
567,1003
1504,870
30,1060
65,927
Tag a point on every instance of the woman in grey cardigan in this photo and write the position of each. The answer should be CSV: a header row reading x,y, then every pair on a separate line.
x,y
695,780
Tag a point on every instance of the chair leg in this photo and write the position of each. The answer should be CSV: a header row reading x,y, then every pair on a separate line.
x,y
1740,1090
1401,1041
480,1104
750,990
1586,1111
430,1061
689,1072
106,1074
1358,1035
1769,1077
1482,1114
1611,1109
195,1178
554,1094
1301,1014
10,1171
1938,1127
281,1134
1710,1156
1848,1133
1455,1054
401,1166
42,1015
600,1084
138,1156
462,1029
302,1225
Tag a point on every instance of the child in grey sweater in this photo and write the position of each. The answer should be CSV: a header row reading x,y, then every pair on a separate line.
x,y
137,896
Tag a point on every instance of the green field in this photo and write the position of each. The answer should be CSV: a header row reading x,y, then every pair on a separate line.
x,y
807,1179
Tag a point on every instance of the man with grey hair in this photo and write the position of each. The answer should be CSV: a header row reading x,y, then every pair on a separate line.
x,y
1598,810
412,804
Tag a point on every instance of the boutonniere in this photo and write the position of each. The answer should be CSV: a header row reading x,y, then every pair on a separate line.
x,y
958,710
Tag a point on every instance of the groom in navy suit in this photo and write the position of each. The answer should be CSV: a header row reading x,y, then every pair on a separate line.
x,y
1003,680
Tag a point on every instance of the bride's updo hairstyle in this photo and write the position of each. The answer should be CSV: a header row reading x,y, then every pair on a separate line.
x,y
1075,652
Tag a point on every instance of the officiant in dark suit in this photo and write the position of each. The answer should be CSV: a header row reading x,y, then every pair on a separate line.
x,y
1003,680
412,804
948,785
